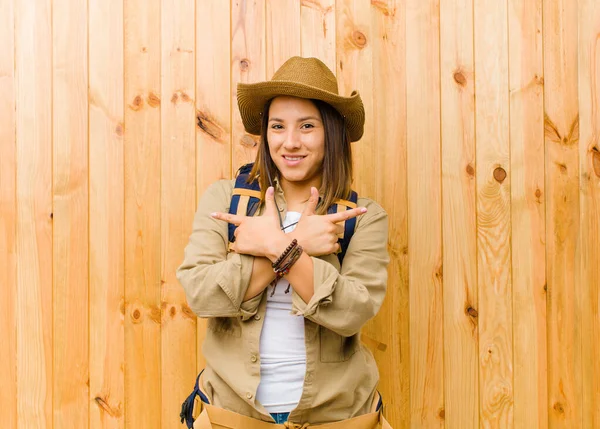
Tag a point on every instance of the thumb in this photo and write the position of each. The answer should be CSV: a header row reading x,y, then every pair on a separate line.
x,y
311,206
270,208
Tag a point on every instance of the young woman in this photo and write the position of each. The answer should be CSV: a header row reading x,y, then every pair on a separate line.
x,y
284,315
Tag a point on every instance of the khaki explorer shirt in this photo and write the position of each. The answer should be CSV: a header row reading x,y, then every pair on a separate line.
x,y
341,373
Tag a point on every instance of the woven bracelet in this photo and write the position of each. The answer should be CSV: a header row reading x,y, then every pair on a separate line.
x,y
284,255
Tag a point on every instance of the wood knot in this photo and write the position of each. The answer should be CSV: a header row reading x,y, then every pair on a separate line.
x,y
470,170
172,312
137,103
144,49
136,315
153,100
559,408
545,287
596,161
442,414
244,65
471,312
174,98
103,404
500,174
460,78
119,130
359,39
562,167
155,314
185,98
51,215
186,311
538,193
248,141
209,126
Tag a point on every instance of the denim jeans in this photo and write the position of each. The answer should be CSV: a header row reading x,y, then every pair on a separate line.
x,y
280,418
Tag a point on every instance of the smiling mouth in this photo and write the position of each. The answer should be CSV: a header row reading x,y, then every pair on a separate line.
x,y
293,158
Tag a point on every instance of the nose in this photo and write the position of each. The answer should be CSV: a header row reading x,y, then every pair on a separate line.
x,y
292,141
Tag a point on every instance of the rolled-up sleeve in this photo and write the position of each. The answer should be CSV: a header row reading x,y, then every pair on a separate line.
x,y
345,300
214,280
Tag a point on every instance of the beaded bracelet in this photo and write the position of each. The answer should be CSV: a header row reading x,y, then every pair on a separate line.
x,y
285,253
282,266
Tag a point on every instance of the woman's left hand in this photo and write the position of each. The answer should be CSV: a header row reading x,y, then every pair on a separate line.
x,y
256,235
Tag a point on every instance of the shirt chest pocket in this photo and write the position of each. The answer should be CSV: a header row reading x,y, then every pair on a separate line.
x,y
334,347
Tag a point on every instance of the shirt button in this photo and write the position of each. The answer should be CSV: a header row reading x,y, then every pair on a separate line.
x,y
249,395
257,317
253,358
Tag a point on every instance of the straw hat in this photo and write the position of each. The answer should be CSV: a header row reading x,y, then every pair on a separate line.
x,y
304,78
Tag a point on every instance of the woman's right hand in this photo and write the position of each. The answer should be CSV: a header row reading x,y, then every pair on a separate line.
x,y
318,234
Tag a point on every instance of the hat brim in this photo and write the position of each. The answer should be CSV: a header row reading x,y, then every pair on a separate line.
x,y
253,96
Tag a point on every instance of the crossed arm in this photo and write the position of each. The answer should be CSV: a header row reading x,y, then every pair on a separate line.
x,y
262,237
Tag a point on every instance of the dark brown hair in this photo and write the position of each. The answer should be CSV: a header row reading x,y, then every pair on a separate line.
x,y
337,162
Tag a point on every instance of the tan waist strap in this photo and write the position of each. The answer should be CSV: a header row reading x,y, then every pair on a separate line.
x,y
212,417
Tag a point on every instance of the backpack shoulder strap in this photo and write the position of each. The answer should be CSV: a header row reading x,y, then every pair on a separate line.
x,y
245,197
349,225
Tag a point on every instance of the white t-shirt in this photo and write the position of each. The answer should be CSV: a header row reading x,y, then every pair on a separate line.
x,y
282,348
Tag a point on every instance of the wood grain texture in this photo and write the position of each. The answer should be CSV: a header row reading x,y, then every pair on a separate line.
x,y
106,214
178,201
387,335
459,217
33,75
248,65
562,213
528,213
493,215
318,30
355,72
142,143
8,218
213,109
424,213
589,237
282,33
70,233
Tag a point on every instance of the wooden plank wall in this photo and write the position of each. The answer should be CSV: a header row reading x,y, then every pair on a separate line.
x,y
482,143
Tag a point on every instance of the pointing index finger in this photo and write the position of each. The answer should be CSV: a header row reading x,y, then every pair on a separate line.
x,y
345,215
227,217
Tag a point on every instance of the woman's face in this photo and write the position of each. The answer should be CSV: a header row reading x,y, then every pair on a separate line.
x,y
296,140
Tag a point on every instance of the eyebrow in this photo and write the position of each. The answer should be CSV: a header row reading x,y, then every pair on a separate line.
x,y
299,120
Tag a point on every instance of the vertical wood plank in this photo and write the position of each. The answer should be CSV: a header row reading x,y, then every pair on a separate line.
x,y
33,73
106,215
178,196
282,32
355,72
142,53
213,110
589,157
387,335
424,213
248,65
70,237
459,217
318,30
528,213
493,215
8,218
560,30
